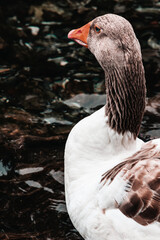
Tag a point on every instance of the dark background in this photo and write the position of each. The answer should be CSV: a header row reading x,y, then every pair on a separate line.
x,y
47,84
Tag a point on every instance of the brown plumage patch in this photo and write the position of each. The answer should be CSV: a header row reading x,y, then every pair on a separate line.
x,y
118,52
125,93
142,174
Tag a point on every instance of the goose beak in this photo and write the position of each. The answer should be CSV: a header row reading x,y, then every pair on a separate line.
x,y
80,35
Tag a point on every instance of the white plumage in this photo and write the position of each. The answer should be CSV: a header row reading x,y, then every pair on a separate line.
x,y
106,199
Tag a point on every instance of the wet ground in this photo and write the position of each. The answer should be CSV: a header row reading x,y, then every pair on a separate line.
x,y
47,84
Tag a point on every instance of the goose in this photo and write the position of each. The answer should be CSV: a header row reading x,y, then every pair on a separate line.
x,y
112,178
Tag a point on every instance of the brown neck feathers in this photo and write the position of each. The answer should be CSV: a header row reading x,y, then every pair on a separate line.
x,y
125,89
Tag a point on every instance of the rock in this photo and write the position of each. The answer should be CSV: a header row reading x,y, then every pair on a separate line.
x,y
152,42
89,101
151,10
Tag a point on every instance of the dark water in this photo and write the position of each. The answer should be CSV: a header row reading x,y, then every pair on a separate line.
x,y
47,84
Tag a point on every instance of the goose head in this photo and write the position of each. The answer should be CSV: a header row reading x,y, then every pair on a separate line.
x,y
110,38
113,42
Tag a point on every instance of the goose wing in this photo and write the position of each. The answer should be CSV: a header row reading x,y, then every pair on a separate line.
x,y
133,186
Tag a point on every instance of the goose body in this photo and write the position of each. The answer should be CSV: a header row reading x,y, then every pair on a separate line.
x,y
112,178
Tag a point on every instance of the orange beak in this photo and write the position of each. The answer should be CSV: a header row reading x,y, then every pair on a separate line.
x,y
80,35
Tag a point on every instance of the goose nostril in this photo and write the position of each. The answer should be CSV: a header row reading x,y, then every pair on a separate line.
x,y
79,31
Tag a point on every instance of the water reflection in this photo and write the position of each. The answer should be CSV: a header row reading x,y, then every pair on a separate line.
x,y
29,170
3,169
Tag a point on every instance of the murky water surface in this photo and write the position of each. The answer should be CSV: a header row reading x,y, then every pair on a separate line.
x,y
47,84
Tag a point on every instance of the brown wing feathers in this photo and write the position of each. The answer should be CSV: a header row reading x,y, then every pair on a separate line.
x,y
142,174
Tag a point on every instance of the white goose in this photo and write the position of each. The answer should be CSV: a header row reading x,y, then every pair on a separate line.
x,y
112,178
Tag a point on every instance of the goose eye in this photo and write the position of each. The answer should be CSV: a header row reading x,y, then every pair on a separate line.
x,y
97,29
